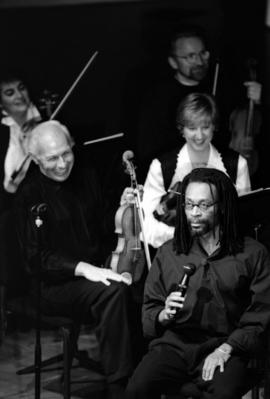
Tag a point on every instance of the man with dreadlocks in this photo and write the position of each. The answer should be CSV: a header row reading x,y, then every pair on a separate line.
x,y
209,336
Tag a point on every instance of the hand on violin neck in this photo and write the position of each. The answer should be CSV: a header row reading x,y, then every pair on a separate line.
x,y
30,124
129,195
98,274
254,91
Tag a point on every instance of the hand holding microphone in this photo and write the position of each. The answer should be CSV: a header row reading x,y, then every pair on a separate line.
x,y
175,301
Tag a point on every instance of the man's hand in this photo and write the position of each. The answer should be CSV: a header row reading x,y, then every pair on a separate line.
x,y
94,273
254,91
128,196
218,358
173,302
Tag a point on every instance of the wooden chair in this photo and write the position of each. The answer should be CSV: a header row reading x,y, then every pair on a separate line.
x,y
21,308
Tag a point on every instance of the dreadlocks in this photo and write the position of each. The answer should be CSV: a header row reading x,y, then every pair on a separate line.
x,y
231,240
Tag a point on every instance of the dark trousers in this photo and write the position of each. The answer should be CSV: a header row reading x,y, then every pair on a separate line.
x,y
107,307
163,370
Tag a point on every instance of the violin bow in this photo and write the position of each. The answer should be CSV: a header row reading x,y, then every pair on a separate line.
x,y
58,108
74,84
113,136
214,89
251,65
146,247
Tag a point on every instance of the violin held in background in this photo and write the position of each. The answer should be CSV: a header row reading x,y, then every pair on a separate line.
x,y
48,102
246,122
166,210
129,257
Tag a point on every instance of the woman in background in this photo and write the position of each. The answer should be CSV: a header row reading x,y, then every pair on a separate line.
x,y
197,120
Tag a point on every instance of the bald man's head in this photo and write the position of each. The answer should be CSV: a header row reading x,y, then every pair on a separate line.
x,y
50,146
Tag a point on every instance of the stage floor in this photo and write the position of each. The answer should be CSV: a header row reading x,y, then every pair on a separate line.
x,y
17,352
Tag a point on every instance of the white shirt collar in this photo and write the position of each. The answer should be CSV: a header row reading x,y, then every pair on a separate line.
x,y
32,113
184,165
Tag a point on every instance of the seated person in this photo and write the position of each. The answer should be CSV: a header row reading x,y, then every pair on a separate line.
x,y
73,283
208,335
197,118
17,112
18,115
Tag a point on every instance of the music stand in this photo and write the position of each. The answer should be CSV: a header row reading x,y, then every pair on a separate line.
x,y
254,214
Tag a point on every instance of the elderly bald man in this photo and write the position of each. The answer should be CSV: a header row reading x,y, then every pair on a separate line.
x,y
73,283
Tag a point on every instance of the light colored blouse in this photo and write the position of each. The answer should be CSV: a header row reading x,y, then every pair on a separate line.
x,y
17,150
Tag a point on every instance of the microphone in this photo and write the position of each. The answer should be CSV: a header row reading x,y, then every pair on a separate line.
x,y
189,270
38,209
127,156
182,286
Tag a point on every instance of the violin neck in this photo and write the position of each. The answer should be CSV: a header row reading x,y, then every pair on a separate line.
x,y
249,120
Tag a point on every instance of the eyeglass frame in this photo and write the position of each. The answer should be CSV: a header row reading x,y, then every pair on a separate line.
x,y
204,54
205,208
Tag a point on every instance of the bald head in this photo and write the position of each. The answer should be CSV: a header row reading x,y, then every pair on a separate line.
x,y
50,146
46,134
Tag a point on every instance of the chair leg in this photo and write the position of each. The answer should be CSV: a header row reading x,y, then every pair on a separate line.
x,y
68,357
44,363
3,313
267,379
255,392
74,334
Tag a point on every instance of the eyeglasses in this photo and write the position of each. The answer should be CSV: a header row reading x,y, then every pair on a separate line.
x,y
192,57
203,206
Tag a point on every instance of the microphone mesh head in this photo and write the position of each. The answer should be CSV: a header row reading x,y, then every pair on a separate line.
x,y
189,269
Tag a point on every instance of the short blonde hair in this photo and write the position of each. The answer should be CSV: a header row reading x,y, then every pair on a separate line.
x,y
197,106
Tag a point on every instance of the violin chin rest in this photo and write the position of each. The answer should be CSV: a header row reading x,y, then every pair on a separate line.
x,y
128,277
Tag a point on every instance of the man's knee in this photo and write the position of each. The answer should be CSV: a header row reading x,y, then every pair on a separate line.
x,y
224,392
118,291
145,383
113,300
137,388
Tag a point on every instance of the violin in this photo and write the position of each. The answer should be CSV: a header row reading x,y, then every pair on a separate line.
x,y
245,125
129,257
166,210
48,102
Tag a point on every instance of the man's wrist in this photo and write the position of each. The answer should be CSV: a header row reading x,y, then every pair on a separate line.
x,y
225,348
162,318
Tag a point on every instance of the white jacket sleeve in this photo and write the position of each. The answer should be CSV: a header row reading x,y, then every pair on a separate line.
x,y
243,184
156,233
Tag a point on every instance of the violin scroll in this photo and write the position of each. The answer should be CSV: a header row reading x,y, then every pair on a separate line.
x,y
127,156
130,169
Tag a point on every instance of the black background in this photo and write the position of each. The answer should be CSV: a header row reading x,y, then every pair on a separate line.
x,y
53,44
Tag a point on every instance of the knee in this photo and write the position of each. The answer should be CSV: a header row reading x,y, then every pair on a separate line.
x,y
136,389
118,291
224,393
143,385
